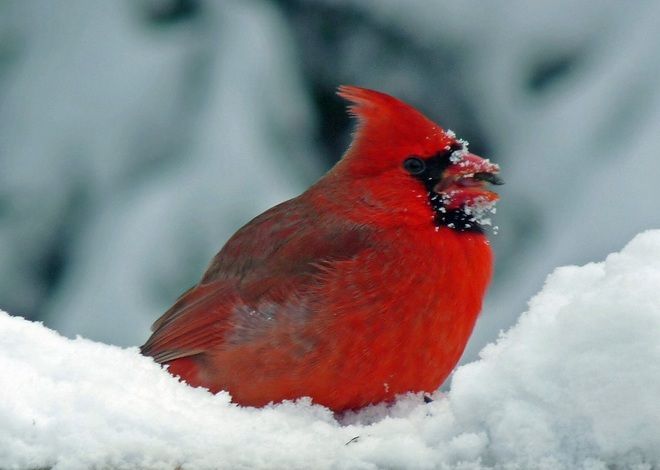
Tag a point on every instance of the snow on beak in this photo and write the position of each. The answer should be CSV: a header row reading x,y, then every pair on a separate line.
x,y
464,182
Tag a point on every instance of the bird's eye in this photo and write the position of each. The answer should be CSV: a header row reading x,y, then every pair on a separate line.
x,y
414,165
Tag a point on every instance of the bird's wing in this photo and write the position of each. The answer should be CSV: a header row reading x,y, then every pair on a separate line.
x,y
191,324
272,261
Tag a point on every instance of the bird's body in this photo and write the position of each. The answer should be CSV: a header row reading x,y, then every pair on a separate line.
x,y
357,290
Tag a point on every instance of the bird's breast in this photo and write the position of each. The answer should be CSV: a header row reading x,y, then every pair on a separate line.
x,y
392,319
399,320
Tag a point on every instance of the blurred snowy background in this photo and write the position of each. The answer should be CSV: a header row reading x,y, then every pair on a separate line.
x,y
137,135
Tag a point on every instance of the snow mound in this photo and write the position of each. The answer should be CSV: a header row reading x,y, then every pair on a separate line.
x,y
575,384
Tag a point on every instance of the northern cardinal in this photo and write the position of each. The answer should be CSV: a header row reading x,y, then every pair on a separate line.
x,y
365,286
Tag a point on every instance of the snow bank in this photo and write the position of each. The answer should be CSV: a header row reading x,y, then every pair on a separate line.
x,y
575,384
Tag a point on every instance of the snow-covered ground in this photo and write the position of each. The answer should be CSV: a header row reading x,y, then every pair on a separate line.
x,y
574,384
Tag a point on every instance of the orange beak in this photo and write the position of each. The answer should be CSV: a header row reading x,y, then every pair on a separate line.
x,y
464,183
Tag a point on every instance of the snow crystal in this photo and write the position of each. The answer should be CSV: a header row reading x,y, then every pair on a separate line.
x,y
479,209
574,384
457,155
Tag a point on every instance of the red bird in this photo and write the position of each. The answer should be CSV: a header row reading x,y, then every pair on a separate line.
x,y
365,286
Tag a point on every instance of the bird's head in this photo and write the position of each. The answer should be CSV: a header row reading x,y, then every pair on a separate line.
x,y
398,146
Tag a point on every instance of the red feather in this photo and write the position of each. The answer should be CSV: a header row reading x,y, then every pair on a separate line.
x,y
350,293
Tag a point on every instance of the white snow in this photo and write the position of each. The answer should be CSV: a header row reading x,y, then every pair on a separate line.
x,y
574,384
